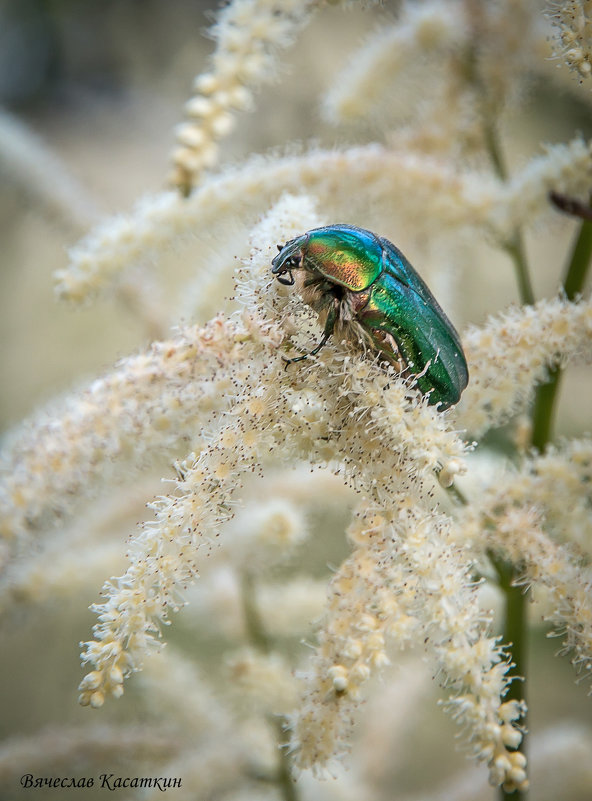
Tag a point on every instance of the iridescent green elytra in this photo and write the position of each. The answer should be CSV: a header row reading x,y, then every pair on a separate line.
x,y
365,289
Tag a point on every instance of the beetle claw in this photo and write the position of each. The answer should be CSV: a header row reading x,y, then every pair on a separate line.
x,y
286,281
296,359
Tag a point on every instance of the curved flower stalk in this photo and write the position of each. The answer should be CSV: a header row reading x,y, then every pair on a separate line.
x,y
558,760
514,527
569,586
271,414
560,483
423,32
163,557
564,168
249,35
146,406
71,557
427,187
408,580
415,186
512,353
430,49
363,610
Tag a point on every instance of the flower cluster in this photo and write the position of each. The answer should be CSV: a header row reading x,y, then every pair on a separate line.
x,y
405,580
267,414
573,20
511,354
248,35
538,518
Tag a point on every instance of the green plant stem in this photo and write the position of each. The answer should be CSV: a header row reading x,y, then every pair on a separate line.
x,y
517,252
493,146
515,623
579,263
514,636
258,637
543,413
514,632
543,410
284,779
458,497
515,247
256,633
514,629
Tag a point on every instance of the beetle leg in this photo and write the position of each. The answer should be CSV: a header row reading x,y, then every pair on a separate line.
x,y
329,326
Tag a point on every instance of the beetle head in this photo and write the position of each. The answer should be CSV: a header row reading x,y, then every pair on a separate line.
x,y
290,257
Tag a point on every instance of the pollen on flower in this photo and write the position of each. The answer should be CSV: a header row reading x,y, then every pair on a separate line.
x,y
152,399
527,342
573,22
222,470
257,407
525,515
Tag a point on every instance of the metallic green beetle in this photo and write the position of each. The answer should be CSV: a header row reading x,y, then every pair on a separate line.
x,y
365,289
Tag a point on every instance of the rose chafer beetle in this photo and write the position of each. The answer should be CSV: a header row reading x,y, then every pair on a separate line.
x,y
364,289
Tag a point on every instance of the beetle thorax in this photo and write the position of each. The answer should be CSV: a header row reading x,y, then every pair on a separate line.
x,y
314,288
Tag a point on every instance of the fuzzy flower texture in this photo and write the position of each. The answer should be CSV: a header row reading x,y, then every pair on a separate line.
x,y
341,429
